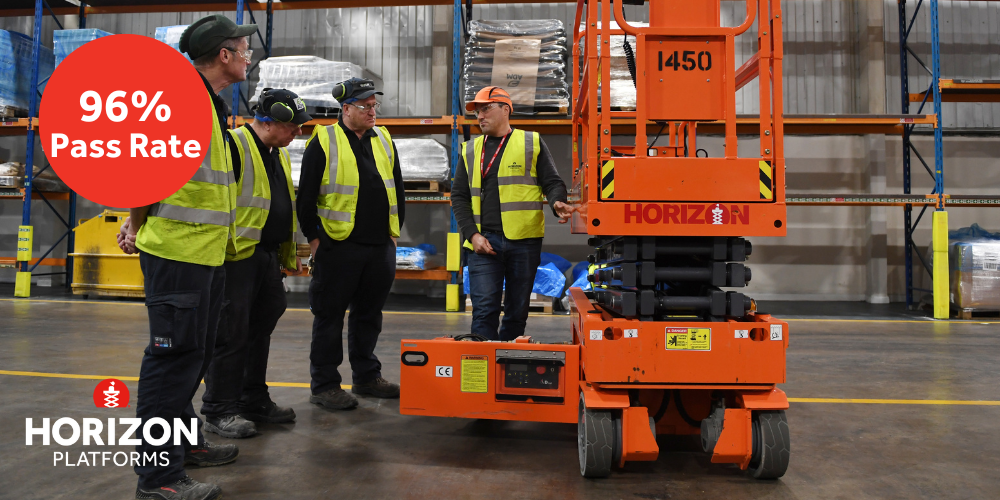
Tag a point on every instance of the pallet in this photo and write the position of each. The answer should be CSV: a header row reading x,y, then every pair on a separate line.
x,y
977,313
426,187
535,306
10,112
323,112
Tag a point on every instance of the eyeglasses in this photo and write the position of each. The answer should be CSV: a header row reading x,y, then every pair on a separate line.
x,y
486,107
244,53
365,107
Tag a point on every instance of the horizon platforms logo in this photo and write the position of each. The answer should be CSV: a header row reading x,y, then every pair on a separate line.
x,y
110,393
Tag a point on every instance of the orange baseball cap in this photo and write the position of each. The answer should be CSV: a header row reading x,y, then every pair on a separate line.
x,y
490,94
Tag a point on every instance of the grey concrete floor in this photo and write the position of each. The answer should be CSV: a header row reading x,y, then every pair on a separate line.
x,y
839,450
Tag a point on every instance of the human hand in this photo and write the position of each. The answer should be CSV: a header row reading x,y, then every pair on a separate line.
x,y
313,246
126,237
481,245
564,211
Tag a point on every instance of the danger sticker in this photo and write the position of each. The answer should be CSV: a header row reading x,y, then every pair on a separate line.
x,y
742,334
631,333
475,373
596,334
689,339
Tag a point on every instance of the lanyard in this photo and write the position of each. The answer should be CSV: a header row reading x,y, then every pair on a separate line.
x,y
485,169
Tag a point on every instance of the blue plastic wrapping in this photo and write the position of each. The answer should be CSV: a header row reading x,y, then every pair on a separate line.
x,y
427,247
549,280
971,233
66,41
411,258
15,68
580,269
562,264
171,35
581,282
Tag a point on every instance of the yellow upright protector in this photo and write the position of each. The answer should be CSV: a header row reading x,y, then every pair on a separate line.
x,y
454,259
22,284
451,298
941,274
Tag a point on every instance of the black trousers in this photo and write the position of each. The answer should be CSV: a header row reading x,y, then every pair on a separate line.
x,y
255,300
345,275
183,301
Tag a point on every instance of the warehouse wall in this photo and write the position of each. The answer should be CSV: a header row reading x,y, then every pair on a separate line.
x,y
841,57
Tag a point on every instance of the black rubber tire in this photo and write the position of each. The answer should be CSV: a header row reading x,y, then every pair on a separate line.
x,y
595,441
771,445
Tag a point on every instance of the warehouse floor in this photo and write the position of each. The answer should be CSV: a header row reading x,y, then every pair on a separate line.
x,y
840,449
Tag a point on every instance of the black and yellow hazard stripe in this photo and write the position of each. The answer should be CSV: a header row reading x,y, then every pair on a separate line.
x,y
766,180
608,180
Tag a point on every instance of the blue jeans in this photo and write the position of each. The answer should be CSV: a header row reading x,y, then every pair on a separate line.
x,y
516,261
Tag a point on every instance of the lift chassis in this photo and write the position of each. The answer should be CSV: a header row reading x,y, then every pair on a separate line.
x,y
664,344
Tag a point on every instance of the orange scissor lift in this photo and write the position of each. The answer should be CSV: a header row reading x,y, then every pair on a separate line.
x,y
658,347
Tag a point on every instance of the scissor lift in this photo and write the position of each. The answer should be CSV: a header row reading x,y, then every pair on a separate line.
x,y
658,347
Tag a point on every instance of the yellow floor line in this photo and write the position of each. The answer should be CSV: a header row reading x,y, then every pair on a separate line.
x,y
897,401
956,402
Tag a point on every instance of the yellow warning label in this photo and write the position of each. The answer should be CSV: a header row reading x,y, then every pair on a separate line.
x,y
689,339
475,373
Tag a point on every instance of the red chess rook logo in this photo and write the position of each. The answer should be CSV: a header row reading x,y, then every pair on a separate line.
x,y
111,393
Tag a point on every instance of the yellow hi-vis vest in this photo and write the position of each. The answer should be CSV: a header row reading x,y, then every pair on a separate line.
x,y
521,202
253,202
338,192
194,224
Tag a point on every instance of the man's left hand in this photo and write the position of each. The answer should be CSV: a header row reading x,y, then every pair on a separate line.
x,y
564,211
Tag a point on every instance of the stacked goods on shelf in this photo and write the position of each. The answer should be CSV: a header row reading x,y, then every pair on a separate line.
x,y
66,41
411,258
15,72
295,151
312,78
974,256
12,177
528,59
622,86
424,164
171,35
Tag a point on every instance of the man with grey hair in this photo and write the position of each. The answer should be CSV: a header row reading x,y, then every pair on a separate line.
x,y
182,244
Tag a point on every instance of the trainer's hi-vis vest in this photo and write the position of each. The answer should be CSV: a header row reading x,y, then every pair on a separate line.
x,y
338,192
521,201
194,224
253,202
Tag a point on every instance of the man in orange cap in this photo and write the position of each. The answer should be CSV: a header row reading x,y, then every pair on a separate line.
x,y
498,204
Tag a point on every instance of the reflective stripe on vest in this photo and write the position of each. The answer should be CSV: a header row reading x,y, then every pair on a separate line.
x,y
521,204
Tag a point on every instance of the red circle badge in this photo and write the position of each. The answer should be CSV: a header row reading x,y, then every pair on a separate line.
x,y
125,121
111,393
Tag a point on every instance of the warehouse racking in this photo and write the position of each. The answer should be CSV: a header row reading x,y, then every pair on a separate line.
x,y
941,90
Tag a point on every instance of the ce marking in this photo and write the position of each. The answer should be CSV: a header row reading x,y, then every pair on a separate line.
x,y
443,371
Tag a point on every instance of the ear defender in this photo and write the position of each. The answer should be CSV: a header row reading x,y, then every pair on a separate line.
x,y
342,90
281,112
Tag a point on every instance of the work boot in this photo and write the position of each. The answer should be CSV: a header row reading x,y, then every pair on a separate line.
x,y
380,388
211,455
268,412
334,399
182,489
230,426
